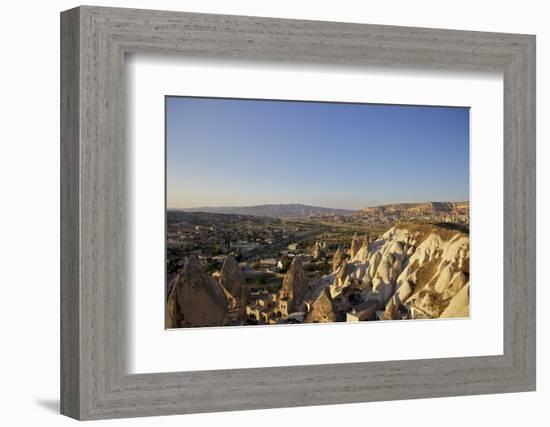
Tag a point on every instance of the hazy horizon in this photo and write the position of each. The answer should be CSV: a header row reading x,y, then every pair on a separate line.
x,y
240,153
317,206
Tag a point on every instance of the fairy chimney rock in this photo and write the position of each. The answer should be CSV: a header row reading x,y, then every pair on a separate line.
x,y
200,298
232,280
355,246
294,287
322,309
338,258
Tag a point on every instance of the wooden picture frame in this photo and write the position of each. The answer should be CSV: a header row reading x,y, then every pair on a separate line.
x,y
94,382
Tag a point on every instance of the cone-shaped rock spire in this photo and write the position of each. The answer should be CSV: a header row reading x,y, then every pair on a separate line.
x,y
338,258
200,299
294,285
355,246
232,280
322,309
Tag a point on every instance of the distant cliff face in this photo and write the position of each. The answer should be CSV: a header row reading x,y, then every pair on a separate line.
x,y
411,209
456,212
411,271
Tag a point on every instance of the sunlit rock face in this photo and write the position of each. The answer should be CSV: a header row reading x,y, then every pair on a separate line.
x,y
322,309
295,286
362,253
232,282
338,258
317,251
411,271
195,298
355,246
342,278
459,305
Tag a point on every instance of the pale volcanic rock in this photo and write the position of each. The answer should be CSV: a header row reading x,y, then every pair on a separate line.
x,y
404,291
389,268
341,279
355,246
458,281
200,299
322,309
363,253
337,259
429,302
444,277
397,249
317,251
295,286
367,280
459,305
374,262
420,266
232,280
358,271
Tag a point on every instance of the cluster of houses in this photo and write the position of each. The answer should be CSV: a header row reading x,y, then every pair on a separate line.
x,y
197,299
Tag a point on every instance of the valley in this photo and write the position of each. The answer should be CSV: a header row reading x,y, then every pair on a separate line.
x,y
312,264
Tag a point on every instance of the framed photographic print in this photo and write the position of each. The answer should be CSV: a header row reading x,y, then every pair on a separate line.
x,y
288,263
347,210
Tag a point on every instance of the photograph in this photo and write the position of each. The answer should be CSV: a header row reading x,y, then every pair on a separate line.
x,y
290,212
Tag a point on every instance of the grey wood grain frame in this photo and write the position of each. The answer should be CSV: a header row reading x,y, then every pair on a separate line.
x,y
94,381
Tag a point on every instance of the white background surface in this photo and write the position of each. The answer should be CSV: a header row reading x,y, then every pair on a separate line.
x,y
151,78
29,218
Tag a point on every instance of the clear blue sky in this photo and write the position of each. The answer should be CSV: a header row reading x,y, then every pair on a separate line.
x,y
226,152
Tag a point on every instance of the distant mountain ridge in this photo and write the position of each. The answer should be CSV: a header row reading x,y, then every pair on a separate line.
x,y
295,210
292,210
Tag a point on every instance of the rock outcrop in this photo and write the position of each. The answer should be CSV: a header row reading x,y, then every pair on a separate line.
x,y
363,252
411,271
355,246
341,278
295,286
232,282
317,251
459,305
195,299
322,309
337,259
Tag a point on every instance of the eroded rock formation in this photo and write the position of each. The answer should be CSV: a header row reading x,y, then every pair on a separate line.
x,y
355,246
322,309
363,253
195,299
232,282
317,251
295,286
337,259
411,271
